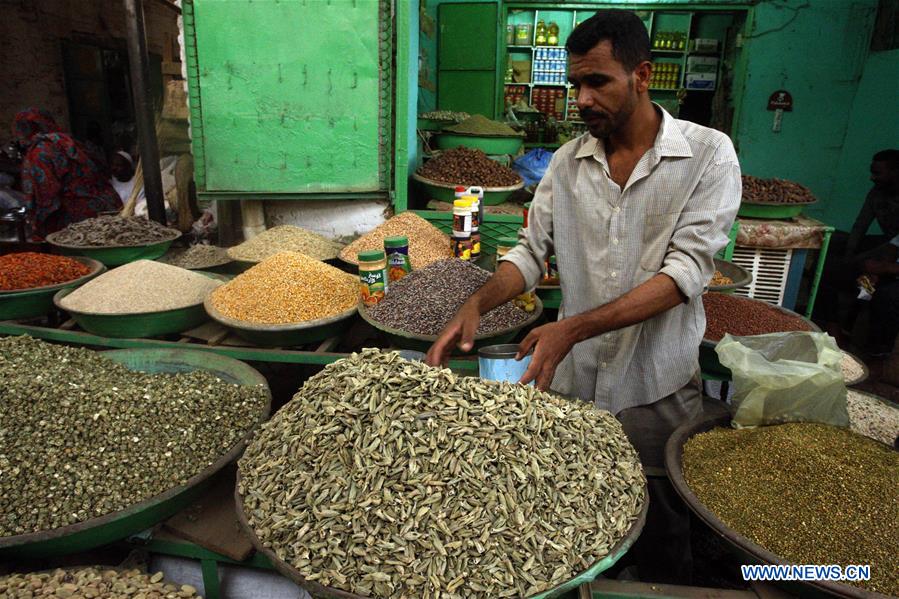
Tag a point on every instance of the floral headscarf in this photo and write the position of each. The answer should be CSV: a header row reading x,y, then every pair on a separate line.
x,y
32,122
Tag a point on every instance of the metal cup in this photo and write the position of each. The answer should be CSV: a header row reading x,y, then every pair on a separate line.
x,y
498,363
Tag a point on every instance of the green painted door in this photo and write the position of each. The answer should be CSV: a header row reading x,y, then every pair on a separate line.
x,y
466,57
289,95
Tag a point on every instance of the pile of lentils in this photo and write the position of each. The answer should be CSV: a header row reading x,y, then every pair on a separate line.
x,y
197,256
287,288
427,243
775,191
872,417
741,317
82,436
808,493
482,126
390,479
425,300
110,231
285,238
140,287
27,270
92,583
466,166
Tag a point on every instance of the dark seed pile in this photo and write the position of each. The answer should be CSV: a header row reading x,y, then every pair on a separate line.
x,y
425,300
775,191
114,230
82,436
464,166
740,316
809,493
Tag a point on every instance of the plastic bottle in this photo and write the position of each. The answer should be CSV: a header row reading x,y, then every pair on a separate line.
x,y
461,241
398,264
553,38
373,283
476,193
540,34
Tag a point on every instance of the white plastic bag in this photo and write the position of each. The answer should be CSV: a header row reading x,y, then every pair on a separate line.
x,y
785,377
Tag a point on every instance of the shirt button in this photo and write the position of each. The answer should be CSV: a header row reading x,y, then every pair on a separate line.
x,y
613,274
603,364
615,241
617,209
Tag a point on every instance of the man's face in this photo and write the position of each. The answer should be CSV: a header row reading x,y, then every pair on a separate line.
x,y
882,176
607,92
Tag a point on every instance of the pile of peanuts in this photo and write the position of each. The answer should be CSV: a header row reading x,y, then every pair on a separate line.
x,y
775,191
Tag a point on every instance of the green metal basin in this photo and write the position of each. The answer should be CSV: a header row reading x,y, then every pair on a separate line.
x,y
118,254
491,145
31,303
414,341
119,525
446,192
772,211
146,324
284,335
433,124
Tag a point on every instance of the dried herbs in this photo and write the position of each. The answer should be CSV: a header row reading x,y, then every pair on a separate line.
x,y
108,231
92,583
27,270
389,478
82,436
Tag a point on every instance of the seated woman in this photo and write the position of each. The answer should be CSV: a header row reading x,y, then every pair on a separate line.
x,y
63,183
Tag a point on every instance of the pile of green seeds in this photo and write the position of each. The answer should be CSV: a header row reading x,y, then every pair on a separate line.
x,y
808,493
92,583
82,436
389,478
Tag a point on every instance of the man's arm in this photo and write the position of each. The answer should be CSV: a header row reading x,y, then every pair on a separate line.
x,y
701,231
860,226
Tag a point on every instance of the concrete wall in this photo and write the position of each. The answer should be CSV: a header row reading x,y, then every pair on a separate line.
x,y
873,126
816,50
32,34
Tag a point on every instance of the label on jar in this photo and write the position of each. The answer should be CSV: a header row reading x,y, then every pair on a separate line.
x,y
462,247
398,264
372,286
475,244
461,223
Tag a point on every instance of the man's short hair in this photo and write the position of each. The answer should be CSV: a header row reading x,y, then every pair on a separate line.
x,y
623,28
891,157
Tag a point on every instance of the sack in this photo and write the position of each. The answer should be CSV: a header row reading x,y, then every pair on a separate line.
x,y
785,377
532,166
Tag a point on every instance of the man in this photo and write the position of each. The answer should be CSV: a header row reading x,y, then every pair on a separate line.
x,y
881,204
634,213
883,271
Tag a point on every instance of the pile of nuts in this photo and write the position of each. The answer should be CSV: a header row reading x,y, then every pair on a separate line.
x,y
92,583
775,191
741,317
465,166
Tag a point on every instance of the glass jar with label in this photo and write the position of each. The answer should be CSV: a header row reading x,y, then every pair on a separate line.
x,y
540,33
373,282
398,264
552,37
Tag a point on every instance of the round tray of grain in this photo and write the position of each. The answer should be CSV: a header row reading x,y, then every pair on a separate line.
x,y
467,167
797,493
105,582
37,301
406,480
873,416
115,240
286,300
855,372
427,243
418,306
479,132
140,299
103,445
740,317
729,276
284,238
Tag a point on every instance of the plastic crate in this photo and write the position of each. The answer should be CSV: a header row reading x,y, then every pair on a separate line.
x,y
493,228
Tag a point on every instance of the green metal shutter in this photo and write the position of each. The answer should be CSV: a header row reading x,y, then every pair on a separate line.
x,y
466,57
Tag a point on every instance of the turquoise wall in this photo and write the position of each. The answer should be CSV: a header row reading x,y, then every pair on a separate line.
x,y
816,50
873,126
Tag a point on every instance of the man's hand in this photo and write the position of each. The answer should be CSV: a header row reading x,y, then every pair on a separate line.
x,y
551,344
460,331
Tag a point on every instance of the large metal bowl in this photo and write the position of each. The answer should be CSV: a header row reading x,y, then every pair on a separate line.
x,y
747,551
446,192
415,341
739,275
118,525
31,303
489,144
708,358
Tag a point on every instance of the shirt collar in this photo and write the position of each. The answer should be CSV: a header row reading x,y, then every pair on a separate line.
x,y
669,141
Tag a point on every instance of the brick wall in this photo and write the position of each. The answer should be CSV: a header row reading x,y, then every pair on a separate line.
x,y
33,31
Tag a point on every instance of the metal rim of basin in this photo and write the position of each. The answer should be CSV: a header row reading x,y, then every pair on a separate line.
x,y
318,590
516,135
96,267
778,204
173,235
244,325
532,318
674,450
862,377
59,295
433,183
249,372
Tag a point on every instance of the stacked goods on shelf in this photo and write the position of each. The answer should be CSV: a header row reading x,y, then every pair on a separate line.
x,y
665,75
550,101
